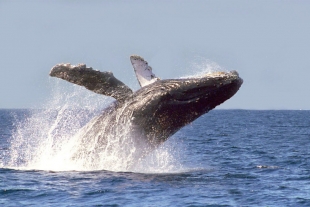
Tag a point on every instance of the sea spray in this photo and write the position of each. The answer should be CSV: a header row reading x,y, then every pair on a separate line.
x,y
201,67
37,139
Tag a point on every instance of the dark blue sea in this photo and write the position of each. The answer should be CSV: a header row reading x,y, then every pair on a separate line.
x,y
225,158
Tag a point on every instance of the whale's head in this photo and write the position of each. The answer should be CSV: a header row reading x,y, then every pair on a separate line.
x,y
165,106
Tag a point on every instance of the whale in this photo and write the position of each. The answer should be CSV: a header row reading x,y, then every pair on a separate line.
x,y
147,117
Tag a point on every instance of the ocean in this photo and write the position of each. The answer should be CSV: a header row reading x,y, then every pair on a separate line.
x,y
224,158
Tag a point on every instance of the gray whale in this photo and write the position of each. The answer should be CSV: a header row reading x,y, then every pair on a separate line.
x,y
151,114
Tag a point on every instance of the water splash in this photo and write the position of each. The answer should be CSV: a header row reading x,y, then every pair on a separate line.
x,y
36,142
51,138
201,67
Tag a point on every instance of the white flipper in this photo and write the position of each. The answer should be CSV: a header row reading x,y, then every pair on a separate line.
x,y
143,71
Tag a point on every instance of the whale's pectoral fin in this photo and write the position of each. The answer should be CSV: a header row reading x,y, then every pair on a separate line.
x,y
143,71
99,82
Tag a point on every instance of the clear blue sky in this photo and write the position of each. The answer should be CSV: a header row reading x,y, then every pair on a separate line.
x,y
267,42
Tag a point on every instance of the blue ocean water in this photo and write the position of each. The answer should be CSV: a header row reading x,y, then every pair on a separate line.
x,y
225,158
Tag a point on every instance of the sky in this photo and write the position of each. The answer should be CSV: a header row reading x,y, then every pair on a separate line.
x,y
267,42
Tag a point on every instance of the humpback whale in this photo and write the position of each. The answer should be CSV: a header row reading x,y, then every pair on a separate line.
x,y
149,115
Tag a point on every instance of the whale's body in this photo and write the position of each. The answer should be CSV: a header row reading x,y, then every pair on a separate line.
x,y
151,114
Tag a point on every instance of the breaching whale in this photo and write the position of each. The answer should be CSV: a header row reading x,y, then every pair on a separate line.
x,y
149,115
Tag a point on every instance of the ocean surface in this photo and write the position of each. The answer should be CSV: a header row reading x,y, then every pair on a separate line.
x,y
224,158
